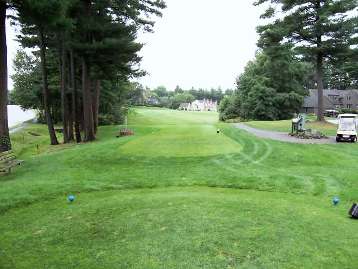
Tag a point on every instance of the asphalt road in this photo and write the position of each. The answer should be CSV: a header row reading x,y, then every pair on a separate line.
x,y
284,137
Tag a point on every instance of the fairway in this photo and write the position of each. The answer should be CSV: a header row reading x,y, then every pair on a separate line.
x,y
178,195
179,134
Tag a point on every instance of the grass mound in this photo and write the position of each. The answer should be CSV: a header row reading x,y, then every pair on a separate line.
x,y
181,141
180,228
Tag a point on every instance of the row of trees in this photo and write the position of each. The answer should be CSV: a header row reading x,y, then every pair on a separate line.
x,y
161,97
27,92
272,87
79,47
306,44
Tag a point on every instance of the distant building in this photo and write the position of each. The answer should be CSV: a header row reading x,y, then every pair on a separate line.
x,y
199,105
332,100
153,101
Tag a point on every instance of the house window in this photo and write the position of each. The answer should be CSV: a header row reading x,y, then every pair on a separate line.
x,y
334,97
348,98
349,106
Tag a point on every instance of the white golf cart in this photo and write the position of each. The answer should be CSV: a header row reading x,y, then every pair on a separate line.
x,y
347,127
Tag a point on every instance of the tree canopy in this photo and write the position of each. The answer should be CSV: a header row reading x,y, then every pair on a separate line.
x,y
83,52
320,30
271,87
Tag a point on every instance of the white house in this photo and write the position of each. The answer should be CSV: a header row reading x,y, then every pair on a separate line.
x,y
199,105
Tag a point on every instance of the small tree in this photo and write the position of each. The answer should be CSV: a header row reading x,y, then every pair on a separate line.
x,y
161,91
229,107
181,98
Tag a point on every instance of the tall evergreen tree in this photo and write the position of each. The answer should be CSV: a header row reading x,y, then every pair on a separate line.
x,y
320,29
38,19
92,42
4,129
105,32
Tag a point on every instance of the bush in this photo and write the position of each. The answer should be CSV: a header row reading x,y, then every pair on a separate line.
x,y
229,107
117,116
181,98
348,111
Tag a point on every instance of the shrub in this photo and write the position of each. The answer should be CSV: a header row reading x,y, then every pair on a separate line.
x,y
348,111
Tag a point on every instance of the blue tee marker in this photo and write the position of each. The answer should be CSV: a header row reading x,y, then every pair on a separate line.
x,y
335,201
71,198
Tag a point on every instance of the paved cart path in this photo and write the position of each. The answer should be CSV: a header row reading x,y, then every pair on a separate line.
x,y
284,137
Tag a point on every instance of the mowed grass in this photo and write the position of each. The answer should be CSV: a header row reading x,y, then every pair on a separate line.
x,y
179,228
179,135
286,125
235,201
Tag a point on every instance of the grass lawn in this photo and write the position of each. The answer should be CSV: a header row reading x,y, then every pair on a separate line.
x,y
178,195
285,126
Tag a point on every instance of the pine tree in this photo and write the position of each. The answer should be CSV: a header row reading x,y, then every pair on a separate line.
x,y
105,41
92,42
320,29
4,129
38,19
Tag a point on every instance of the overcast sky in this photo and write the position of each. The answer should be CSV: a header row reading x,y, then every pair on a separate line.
x,y
200,43
197,43
12,47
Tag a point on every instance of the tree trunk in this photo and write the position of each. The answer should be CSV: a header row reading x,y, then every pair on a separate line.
x,y
96,94
319,64
64,103
71,120
45,89
5,144
87,103
70,99
76,113
319,78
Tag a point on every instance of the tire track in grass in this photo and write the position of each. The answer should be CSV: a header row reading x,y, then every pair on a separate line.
x,y
323,185
261,151
267,152
258,156
232,162
228,161
246,145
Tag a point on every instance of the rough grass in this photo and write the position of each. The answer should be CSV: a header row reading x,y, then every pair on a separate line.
x,y
31,140
140,208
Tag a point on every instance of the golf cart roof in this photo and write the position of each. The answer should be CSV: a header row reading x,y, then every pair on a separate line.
x,y
347,115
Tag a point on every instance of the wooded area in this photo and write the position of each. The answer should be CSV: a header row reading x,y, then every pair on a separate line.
x,y
79,47
309,44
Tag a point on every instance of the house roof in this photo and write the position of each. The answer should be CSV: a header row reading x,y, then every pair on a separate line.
x,y
312,99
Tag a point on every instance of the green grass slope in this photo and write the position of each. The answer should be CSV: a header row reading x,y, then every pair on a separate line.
x,y
156,199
